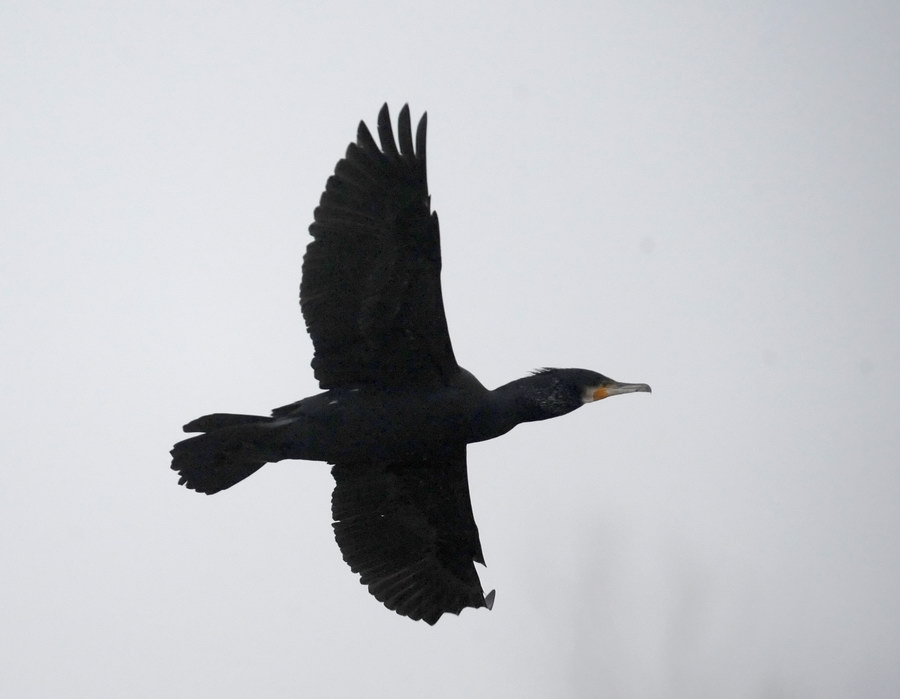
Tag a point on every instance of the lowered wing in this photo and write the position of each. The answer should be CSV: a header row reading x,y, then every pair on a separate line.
x,y
408,530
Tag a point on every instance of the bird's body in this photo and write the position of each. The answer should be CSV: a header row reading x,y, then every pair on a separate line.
x,y
344,424
389,423
397,411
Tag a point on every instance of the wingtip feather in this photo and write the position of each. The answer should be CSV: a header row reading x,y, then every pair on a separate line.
x,y
364,138
386,133
421,131
405,134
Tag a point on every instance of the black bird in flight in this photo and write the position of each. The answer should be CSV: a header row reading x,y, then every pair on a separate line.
x,y
397,411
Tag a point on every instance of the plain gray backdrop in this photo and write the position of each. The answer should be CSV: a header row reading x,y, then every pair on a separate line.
x,y
700,195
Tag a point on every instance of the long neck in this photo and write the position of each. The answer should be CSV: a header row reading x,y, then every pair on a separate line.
x,y
524,400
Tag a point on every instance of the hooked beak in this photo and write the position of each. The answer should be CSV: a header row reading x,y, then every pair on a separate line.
x,y
615,388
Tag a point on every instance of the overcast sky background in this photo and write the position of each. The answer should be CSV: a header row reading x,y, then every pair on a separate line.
x,y
702,196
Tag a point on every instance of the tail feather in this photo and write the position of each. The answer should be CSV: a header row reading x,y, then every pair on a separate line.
x,y
217,421
233,447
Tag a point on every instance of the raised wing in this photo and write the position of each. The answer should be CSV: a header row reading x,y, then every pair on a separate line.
x,y
371,290
408,530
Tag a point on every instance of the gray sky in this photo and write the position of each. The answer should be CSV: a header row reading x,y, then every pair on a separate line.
x,y
699,196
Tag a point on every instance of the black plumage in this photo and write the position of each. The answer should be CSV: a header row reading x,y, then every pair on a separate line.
x,y
397,411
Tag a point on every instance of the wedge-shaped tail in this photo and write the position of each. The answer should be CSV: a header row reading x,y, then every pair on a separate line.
x,y
232,448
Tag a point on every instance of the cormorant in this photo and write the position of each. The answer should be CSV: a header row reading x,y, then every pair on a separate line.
x,y
397,411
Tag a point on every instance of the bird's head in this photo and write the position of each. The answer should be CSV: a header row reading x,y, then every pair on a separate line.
x,y
563,390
